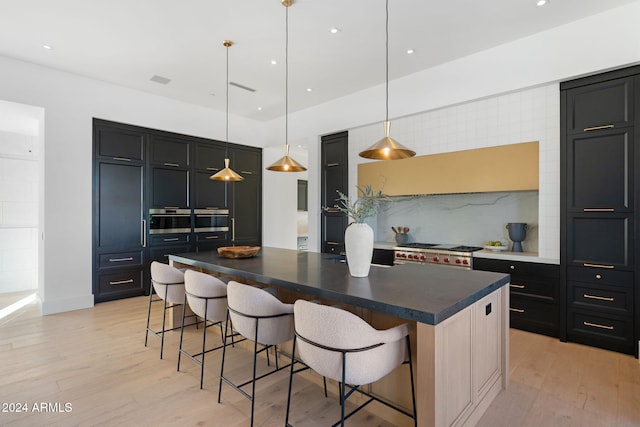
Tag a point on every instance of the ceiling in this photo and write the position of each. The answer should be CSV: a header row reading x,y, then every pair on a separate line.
x,y
128,42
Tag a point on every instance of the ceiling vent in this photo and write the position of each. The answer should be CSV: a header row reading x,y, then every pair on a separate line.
x,y
242,86
160,79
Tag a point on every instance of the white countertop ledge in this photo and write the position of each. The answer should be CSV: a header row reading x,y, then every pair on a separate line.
x,y
515,256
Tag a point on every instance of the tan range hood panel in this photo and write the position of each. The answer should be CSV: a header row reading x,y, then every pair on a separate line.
x,y
513,167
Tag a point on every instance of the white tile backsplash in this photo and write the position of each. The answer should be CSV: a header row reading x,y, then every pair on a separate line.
x,y
528,115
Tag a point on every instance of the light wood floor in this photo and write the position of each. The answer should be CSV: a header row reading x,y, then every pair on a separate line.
x,y
95,360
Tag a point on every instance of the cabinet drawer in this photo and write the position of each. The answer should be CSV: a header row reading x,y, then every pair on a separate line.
x,y
515,268
546,289
168,239
601,330
613,298
600,276
212,237
127,282
121,259
533,315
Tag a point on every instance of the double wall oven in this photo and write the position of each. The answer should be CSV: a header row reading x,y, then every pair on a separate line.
x,y
460,256
174,221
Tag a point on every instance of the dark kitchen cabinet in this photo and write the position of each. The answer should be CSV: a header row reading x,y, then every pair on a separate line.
x,y
534,292
119,238
334,170
246,197
208,193
136,169
599,189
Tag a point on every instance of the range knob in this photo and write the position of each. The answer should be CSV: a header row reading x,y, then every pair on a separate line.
x,y
398,255
458,261
423,258
436,259
465,261
446,260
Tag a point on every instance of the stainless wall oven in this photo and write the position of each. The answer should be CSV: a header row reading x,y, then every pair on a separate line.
x,y
164,221
210,220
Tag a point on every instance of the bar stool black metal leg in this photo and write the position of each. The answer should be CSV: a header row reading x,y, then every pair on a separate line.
x,y
146,335
184,312
204,342
164,318
293,352
224,352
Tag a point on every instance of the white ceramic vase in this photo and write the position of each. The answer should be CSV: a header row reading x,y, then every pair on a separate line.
x,y
358,242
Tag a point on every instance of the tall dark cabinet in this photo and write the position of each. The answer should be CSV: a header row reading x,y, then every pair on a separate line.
x,y
334,169
600,180
138,169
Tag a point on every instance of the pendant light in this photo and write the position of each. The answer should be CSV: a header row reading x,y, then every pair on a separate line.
x,y
227,174
286,163
387,148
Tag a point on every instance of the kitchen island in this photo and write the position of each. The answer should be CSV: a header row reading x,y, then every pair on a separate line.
x,y
461,319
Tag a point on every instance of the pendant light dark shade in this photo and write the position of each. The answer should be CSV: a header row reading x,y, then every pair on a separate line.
x,y
387,148
286,163
227,174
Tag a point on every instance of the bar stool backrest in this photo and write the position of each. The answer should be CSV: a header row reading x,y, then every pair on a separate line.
x,y
248,304
325,332
168,282
199,288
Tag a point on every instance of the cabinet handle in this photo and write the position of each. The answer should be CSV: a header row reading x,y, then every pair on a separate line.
x,y
212,237
173,165
596,325
121,282
333,243
233,230
247,172
144,233
512,267
597,128
120,259
172,207
123,159
173,239
331,210
213,169
598,210
598,276
597,265
333,164
517,310
513,285
597,297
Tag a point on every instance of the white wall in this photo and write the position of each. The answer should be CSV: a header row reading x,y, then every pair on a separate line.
x,y
70,102
20,142
601,42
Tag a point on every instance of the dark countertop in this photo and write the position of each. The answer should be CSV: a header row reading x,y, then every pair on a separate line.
x,y
424,293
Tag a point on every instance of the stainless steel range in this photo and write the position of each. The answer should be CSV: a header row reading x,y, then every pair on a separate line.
x,y
460,256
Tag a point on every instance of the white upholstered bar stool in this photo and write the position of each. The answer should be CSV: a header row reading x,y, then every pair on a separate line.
x,y
168,283
340,345
259,316
206,296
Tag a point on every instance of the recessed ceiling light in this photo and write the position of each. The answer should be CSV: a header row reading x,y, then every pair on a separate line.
x,y
410,51
542,2
274,62
309,89
159,79
259,108
334,30
47,47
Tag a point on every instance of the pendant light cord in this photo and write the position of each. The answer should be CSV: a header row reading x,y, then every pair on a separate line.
x,y
286,78
387,60
226,148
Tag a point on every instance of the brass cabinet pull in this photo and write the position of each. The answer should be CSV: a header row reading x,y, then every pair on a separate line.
x,y
144,233
174,239
213,169
598,276
333,243
212,237
120,259
247,172
517,310
332,210
597,297
596,325
173,165
121,282
233,229
598,210
597,128
513,285
333,164
123,159
597,265
512,267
